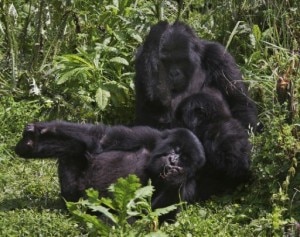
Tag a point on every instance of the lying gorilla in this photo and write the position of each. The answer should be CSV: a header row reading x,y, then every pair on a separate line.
x,y
174,63
95,156
225,142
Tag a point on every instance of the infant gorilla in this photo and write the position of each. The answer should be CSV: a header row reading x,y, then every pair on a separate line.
x,y
225,142
95,156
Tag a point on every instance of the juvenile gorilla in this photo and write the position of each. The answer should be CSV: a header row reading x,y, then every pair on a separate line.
x,y
224,139
173,63
95,156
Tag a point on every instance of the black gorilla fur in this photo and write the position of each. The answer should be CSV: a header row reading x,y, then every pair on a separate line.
x,y
224,139
97,155
173,63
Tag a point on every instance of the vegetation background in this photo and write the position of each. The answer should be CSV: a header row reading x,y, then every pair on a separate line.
x,y
73,60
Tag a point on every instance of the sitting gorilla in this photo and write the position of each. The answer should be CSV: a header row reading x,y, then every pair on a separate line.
x,y
224,139
173,63
95,156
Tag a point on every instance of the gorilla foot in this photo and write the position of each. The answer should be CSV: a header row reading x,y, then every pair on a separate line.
x,y
29,127
39,128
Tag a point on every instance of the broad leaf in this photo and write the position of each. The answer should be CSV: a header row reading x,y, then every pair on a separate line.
x,y
119,60
104,211
124,190
102,97
165,210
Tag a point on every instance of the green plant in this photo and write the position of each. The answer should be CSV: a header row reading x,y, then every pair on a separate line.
x,y
262,35
88,81
127,213
98,77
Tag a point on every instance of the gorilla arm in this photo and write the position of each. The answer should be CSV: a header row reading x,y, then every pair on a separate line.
x,y
224,74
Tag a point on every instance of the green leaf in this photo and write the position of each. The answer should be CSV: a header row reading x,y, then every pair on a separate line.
x,y
94,222
137,37
143,192
91,220
256,32
71,206
119,60
108,203
104,211
72,74
255,56
124,191
80,60
165,210
233,33
105,48
102,97
119,93
93,196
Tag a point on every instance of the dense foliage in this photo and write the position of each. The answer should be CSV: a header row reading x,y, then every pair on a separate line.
x,y
73,60
128,210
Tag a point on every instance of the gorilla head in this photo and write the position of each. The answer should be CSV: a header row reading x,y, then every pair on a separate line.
x,y
177,157
201,109
178,59
225,141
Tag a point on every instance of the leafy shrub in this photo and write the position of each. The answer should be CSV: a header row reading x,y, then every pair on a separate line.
x,y
97,80
93,44
127,213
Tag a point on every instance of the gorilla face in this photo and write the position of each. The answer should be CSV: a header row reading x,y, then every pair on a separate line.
x,y
171,166
178,59
177,157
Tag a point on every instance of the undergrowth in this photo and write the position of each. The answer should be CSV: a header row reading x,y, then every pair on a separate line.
x,y
35,85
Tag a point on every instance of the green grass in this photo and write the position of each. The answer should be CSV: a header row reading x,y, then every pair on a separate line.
x,y
34,222
266,46
29,200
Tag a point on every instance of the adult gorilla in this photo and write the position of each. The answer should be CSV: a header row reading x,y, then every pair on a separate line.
x,y
173,63
95,156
